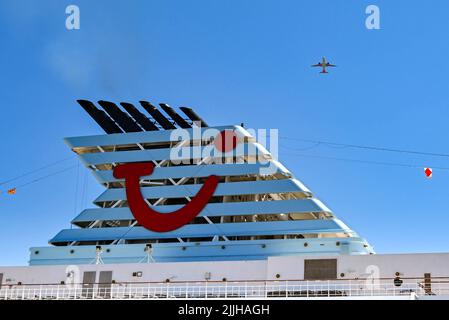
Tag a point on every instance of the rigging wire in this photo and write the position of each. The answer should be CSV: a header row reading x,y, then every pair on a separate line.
x,y
77,185
346,145
84,190
45,177
368,161
316,143
35,170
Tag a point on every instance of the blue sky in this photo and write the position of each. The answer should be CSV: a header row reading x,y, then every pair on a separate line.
x,y
235,61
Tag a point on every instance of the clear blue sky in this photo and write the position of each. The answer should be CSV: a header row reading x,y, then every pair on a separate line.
x,y
235,61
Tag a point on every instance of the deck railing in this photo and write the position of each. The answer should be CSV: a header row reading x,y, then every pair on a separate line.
x,y
293,289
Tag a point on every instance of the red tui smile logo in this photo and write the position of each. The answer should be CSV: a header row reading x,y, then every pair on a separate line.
x,y
164,222
150,218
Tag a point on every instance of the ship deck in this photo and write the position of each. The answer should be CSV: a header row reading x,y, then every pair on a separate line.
x,y
410,289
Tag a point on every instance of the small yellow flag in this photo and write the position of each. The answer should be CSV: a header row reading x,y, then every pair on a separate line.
x,y
12,191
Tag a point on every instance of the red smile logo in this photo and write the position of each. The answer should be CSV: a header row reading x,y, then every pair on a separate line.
x,y
163,222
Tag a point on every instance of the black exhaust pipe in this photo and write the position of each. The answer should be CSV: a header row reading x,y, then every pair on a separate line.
x,y
194,116
100,117
122,119
175,116
140,118
157,115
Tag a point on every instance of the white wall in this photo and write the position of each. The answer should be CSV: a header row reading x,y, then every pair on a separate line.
x,y
359,266
289,268
152,272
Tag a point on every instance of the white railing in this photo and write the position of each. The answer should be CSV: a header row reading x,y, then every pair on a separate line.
x,y
227,290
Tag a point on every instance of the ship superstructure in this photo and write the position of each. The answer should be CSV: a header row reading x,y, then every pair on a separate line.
x,y
254,213
261,235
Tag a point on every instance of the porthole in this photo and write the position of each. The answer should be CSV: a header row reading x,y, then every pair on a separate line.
x,y
264,246
306,244
337,243
108,250
224,279
36,252
342,275
184,248
278,275
223,247
72,251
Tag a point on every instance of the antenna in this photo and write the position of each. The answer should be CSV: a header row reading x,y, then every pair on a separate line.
x,y
98,252
148,254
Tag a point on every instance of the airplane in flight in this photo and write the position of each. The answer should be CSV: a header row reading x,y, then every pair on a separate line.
x,y
323,64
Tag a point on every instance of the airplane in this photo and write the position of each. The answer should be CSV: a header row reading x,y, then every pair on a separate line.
x,y
323,64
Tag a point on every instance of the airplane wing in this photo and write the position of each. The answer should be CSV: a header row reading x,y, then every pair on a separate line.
x,y
317,65
330,65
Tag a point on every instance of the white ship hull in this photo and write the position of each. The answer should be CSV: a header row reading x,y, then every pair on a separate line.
x,y
380,276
